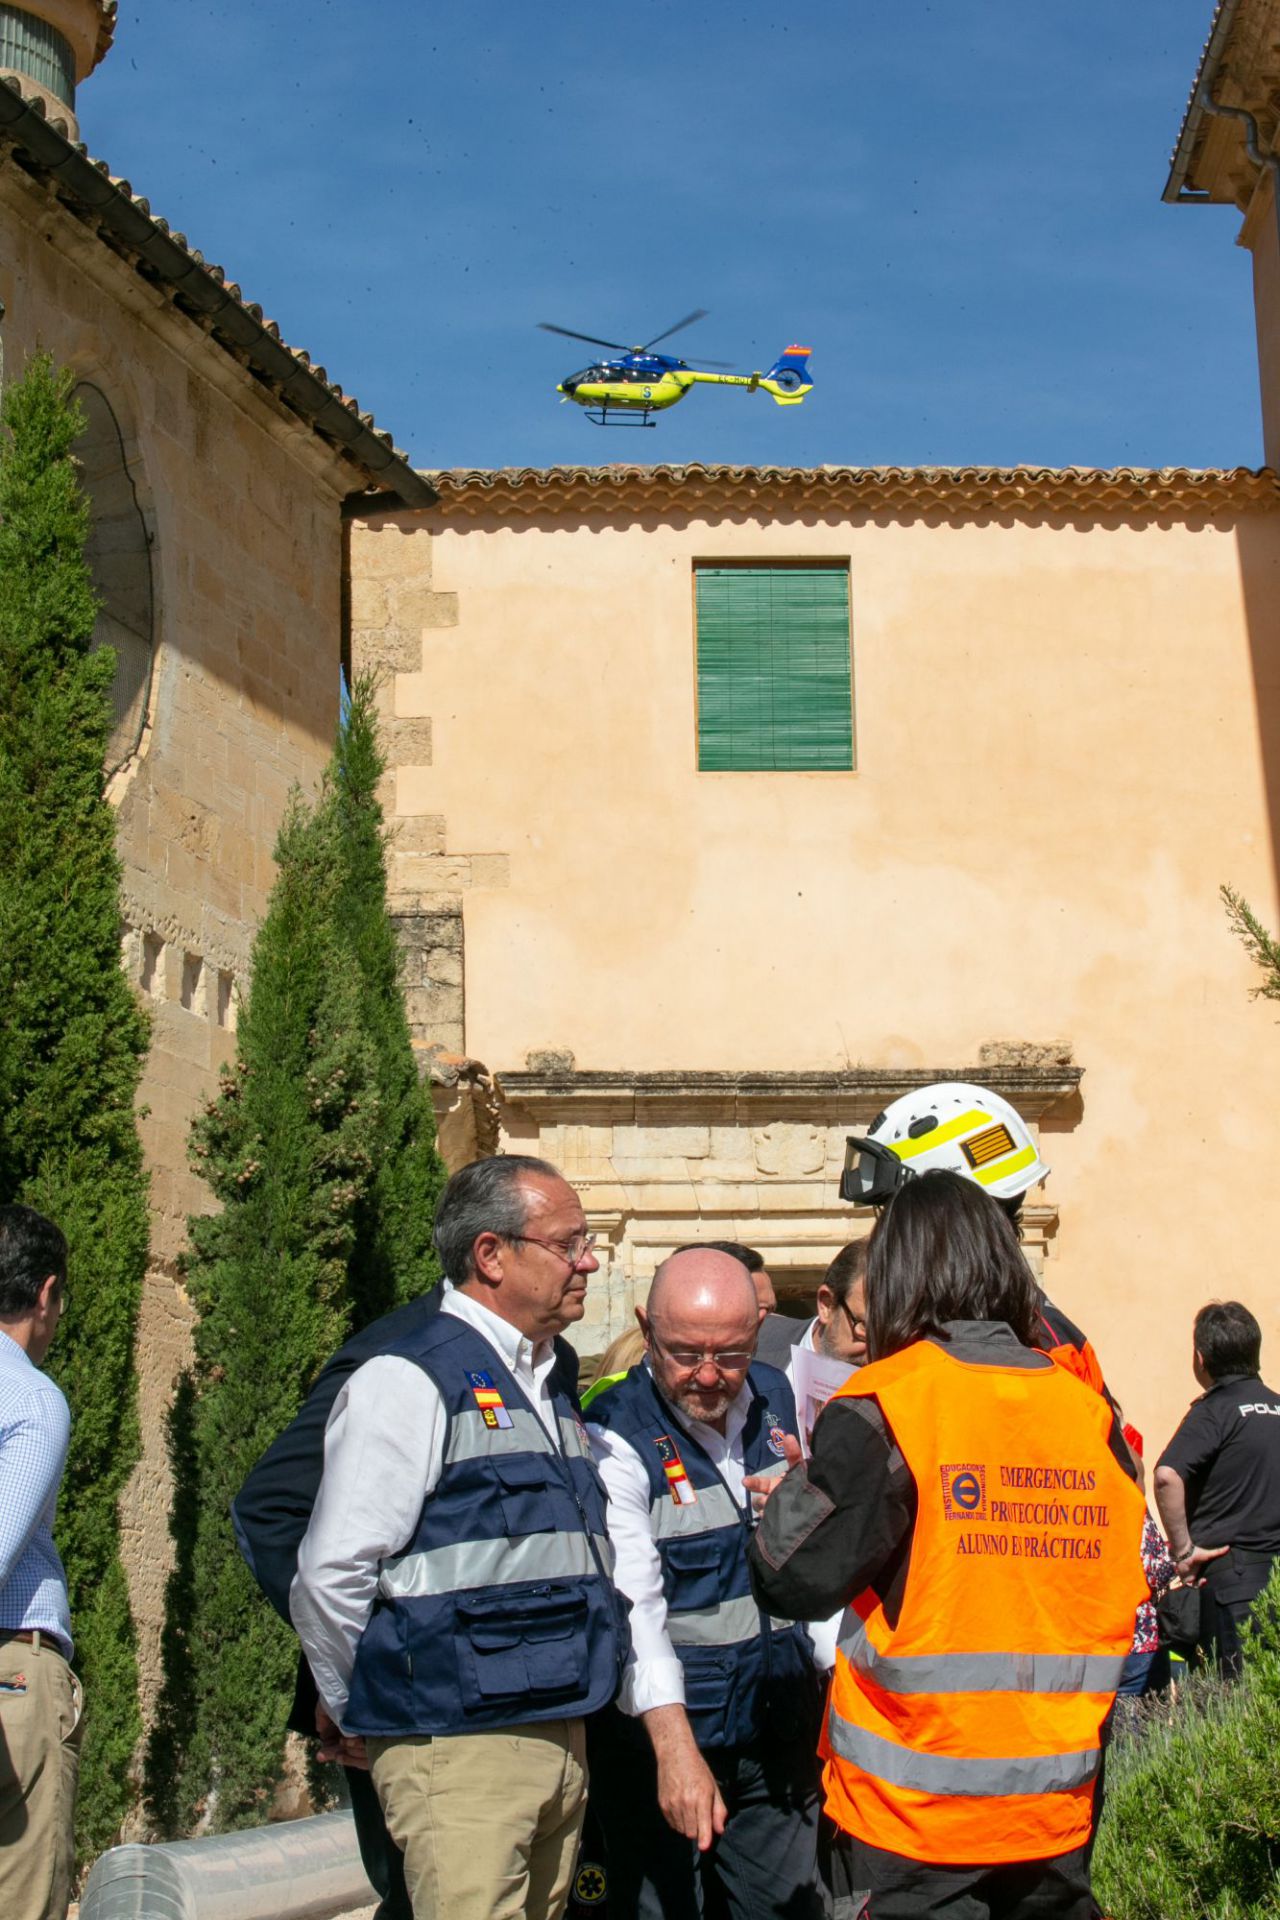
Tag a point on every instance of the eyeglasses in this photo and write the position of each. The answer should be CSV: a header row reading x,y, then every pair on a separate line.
x,y
574,1251
858,1328
689,1359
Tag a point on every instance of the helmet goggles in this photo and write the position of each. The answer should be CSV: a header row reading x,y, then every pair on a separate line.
x,y
872,1172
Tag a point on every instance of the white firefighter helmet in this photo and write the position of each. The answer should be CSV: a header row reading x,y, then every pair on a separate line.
x,y
963,1128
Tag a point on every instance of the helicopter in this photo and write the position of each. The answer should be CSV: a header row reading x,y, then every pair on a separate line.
x,y
628,391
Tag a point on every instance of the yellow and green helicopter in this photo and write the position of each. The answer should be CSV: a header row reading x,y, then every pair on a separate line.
x,y
628,391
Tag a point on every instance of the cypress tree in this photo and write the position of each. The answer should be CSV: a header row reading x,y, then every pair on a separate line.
x,y
72,1038
393,1258
320,1147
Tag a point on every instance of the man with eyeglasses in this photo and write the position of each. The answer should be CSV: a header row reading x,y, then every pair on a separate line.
x,y
838,1329
454,1593
705,1783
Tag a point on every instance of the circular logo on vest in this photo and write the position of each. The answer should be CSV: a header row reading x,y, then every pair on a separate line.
x,y
964,1490
589,1884
774,1437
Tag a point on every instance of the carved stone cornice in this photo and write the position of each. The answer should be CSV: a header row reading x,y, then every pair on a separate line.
x,y
856,1093
665,492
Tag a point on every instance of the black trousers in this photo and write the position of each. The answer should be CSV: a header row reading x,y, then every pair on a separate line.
x,y
1055,1889
763,1867
1226,1602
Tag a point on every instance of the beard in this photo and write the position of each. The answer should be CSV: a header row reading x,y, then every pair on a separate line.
x,y
705,1407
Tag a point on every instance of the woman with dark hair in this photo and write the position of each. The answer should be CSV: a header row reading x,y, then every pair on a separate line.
x,y
968,1503
942,1252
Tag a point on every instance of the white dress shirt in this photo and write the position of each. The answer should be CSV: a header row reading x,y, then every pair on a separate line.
x,y
654,1676
383,1454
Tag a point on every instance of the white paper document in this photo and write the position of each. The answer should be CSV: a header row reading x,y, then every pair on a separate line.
x,y
816,1378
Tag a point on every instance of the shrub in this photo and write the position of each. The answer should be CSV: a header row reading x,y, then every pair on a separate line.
x,y
1191,1824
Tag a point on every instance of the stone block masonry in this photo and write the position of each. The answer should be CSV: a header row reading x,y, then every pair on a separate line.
x,y
395,612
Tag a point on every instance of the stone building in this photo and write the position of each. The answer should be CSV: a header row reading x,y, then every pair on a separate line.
x,y
705,928
219,463
730,802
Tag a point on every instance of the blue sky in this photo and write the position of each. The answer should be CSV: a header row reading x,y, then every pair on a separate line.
x,y
956,205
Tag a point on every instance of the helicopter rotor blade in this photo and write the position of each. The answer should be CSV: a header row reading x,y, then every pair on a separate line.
x,y
699,313
591,339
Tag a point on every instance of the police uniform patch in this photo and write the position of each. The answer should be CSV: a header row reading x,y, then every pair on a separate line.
x,y
489,1400
678,1481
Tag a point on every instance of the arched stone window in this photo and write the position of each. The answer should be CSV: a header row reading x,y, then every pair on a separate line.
x,y
119,556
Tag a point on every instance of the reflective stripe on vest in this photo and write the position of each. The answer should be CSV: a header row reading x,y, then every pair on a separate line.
x,y
978,1672
470,1438
721,1626
714,1507
967,1778
492,1563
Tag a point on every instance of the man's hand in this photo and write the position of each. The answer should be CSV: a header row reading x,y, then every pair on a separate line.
x,y
761,1485
687,1790
1189,1564
337,1747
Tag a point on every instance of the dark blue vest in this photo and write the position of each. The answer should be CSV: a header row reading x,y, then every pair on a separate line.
x,y
501,1608
745,1675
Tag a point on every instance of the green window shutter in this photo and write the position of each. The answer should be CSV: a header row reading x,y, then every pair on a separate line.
x,y
774,675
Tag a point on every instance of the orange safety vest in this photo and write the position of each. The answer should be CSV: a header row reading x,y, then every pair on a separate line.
x,y
969,1732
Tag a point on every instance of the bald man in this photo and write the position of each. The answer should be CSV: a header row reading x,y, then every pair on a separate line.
x,y
706,1780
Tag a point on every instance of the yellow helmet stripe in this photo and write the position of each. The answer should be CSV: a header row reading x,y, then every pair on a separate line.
x,y
965,1123
1002,1168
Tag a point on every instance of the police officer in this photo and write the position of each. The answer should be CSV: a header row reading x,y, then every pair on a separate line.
x,y
1217,1483
453,1594
706,1783
967,1502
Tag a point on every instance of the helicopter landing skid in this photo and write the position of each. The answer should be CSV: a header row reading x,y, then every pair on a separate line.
x,y
622,417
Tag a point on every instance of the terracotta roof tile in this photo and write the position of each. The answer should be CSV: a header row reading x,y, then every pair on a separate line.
x,y
948,492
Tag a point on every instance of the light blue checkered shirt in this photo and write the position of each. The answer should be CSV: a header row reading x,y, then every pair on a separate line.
x,y
35,1426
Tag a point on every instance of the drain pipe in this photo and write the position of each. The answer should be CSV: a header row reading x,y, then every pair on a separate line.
x,y
1264,162
297,1870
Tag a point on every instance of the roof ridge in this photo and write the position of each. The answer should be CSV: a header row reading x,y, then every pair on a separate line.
x,y
957,491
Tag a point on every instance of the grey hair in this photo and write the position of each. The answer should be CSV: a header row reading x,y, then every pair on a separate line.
x,y
484,1198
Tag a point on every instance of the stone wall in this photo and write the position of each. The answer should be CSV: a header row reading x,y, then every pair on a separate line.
x,y
398,620
661,1159
242,510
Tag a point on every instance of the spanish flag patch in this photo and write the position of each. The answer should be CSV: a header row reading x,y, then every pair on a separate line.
x,y
489,1400
678,1481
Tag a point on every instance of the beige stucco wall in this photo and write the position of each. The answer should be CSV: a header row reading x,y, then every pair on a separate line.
x,y
1062,739
243,508
1261,235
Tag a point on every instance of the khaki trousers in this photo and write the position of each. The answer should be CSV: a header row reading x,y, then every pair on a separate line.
x,y
488,1822
41,1727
